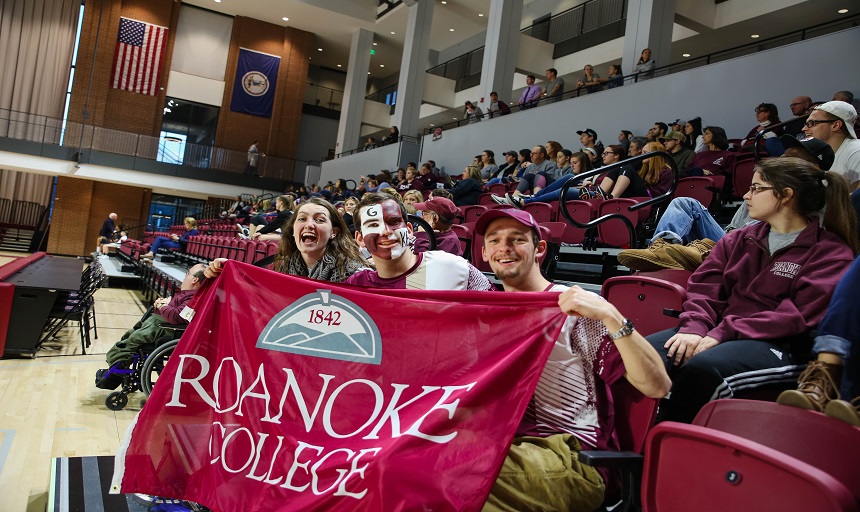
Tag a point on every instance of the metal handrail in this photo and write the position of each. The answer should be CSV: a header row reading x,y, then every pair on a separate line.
x,y
562,200
401,138
760,134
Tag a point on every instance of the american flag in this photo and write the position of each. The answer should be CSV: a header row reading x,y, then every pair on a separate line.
x,y
139,55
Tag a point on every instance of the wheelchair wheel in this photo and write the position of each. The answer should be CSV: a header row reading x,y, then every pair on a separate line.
x,y
154,364
116,401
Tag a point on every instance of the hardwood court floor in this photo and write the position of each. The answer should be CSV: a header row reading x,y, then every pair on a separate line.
x,y
50,407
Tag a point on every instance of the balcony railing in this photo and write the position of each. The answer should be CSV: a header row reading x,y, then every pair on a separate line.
x,y
402,139
51,131
325,97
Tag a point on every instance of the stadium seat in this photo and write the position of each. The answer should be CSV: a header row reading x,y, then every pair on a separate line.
x,y
742,175
651,303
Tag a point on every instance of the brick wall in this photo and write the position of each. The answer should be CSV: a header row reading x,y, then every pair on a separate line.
x,y
81,206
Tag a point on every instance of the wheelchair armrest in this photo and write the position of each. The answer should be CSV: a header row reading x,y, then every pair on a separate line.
x,y
599,458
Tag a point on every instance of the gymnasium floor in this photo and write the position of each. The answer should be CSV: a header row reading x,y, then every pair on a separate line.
x,y
50,407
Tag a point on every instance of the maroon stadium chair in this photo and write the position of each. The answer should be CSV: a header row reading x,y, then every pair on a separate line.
x,y
749,456
464,233
705,189
651,303
582,212
742,175
472,212
486,199
542,212
613,232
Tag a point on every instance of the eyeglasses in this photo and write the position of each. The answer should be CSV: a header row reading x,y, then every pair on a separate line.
x,y
608,153
795,104
756,188
760,110
813,122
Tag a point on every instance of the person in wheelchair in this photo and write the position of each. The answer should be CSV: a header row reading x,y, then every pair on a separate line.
x,y
166,311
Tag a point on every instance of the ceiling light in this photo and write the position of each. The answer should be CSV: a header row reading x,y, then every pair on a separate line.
x,y
480,15
755,36
374,44
392,33
842,11
285,18
431,124
339,65
450,29
368,72
444,2
685,55
319,49
455,118
382,65
217,1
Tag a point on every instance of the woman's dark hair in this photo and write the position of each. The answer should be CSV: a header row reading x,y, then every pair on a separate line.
x,y
466,107
718,137
696,123
526,154
643,53
491,155
813,189
584,161
341,246
772,111
619,150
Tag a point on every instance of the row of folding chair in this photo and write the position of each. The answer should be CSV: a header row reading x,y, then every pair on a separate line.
x,y
209,247
78,307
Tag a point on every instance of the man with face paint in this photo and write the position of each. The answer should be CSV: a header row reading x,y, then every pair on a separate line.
x,y
381,228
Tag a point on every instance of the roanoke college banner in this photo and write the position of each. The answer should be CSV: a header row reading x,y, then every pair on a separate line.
x,y
288,394
255,83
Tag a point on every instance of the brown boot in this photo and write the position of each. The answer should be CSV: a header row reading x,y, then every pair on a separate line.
x,y
842,410
692,255
652,258
816,387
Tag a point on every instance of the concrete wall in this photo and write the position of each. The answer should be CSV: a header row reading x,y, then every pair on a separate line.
x,y
370,162
316,136
723,94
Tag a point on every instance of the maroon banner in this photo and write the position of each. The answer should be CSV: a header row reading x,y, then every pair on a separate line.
x,y
288,394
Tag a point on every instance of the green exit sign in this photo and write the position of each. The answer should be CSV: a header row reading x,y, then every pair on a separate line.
x,y
372,51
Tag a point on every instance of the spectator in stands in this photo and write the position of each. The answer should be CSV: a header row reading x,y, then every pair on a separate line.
x,y
579,163
318,245
506,169
497,105
488,164
831,379
373,183
656,173
636,145
541,171
676,126
472,113
674,143
657,131
552,149
235,209
468,190
253,159
384,232
400,177
763,288
268,231
571,409
596,160
165,311
644,69
392,137
800,107
615,77
833,122
428,179
766,114
369,144
440,213
554,86
411,182
624,139
439,173
562,161
694,138
846,96
687,221
717,159
531,94
590,80
108,229
348,210
624,181
175,241
588,139
441,192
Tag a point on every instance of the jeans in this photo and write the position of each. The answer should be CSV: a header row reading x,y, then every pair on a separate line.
x,y
163,241
553,192
686,220
840,325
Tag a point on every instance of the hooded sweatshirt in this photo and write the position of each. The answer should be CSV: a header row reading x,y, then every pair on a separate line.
x,y
741,291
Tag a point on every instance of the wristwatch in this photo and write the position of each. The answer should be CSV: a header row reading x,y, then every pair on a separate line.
x,y
626,330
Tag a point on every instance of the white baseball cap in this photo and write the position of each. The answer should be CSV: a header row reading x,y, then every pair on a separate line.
x,y
844,111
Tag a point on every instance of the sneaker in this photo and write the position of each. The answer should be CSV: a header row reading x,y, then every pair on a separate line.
x,y
500,199
243,236
517,201
692,255
654,257
602,194
845,411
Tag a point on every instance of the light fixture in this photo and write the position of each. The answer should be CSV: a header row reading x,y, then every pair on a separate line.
x,y
480,15
454,118
217,1
319,49
339,65
392,33
444,2
842,11
382,65
685,55
368,72
755,36
285,18
374,44
431,124
450,29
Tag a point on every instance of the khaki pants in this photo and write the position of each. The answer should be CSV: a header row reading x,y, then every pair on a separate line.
x,y
543,474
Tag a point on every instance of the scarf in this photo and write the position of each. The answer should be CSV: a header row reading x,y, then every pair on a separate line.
x,y
326,269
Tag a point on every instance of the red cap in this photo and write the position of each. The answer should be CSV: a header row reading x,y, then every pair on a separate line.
x,y
521,216
441,206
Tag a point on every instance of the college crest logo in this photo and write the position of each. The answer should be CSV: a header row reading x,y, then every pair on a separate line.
x,y
326,325
255,83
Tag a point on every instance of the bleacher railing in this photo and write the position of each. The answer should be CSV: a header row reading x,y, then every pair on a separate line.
x,y
21,214
404,139
51,131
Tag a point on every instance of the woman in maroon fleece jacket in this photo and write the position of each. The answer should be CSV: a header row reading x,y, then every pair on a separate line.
x,y
752,303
